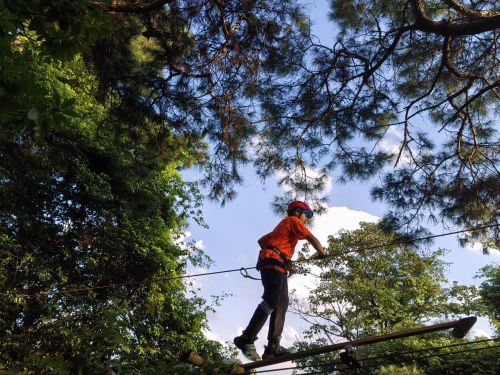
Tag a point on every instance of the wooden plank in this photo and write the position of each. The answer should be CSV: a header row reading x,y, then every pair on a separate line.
x,y
460,328
197,360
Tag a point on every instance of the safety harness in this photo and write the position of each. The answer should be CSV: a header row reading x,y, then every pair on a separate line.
x,y
273,263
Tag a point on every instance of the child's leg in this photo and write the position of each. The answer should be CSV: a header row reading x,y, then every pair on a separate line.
x,y
273,282
276,325
277,321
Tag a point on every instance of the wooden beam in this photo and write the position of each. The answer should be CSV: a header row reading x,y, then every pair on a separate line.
x,y
7,372
197,360
460,328
192,358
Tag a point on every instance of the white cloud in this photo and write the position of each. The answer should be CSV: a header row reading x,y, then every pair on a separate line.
x,y
289,336
480,333
185,243
338,218
391,141
213,336
391,144
199,245
328,224
303,284
478,249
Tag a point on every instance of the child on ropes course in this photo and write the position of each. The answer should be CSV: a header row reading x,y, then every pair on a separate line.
x,y
277,248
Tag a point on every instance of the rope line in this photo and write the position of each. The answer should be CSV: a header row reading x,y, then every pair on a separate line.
x,y
389,362
402,360
243,270
130,283
433,348
402,242
388,355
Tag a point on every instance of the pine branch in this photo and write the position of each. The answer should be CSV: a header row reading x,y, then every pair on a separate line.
x,y
478,25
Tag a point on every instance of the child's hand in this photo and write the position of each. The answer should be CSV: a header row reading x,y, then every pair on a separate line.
x,y
319,256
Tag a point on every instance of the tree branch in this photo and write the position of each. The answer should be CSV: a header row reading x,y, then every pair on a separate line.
x,y
131,8
477,25
388,53
472,98
469,12
448,62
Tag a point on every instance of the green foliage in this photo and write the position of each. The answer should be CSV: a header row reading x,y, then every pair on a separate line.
x,y
196,67
60,28
490,292
386,290
379,291
364,103
395,370
83,207
35,36
432,354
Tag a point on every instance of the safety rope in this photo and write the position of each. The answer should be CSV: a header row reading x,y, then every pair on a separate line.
x,y
243,270
389,355
244,273
399,242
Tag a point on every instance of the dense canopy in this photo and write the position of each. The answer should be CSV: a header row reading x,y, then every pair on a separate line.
x,y
102,103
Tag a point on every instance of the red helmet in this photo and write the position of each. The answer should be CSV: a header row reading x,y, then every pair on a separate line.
x,y
302,206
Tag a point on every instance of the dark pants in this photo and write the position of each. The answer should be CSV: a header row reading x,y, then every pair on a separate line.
x,y
275,303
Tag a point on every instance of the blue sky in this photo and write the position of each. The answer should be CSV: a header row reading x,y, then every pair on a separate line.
x,y
231,240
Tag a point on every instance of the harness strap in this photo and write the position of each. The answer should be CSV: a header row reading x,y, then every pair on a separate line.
x,y
245,274
278,251
272,263
273,267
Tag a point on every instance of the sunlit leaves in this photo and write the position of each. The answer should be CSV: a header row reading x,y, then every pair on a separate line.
x,y
370,292
85,207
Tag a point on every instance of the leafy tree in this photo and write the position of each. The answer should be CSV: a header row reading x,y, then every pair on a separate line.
x,y
490,292
248,73
381,291
85,208
378,291
32,34
102,104
191,66
391,369
196,68
423,72
434,354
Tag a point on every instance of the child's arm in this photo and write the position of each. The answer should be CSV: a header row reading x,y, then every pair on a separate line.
x,y
316,244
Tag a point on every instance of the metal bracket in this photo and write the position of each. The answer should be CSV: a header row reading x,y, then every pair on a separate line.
x,y
463,326
348,357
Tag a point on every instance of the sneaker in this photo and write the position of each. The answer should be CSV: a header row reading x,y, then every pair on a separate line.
x,y
247,347
274,350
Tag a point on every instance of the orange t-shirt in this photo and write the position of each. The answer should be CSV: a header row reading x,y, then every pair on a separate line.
x,y
285,237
